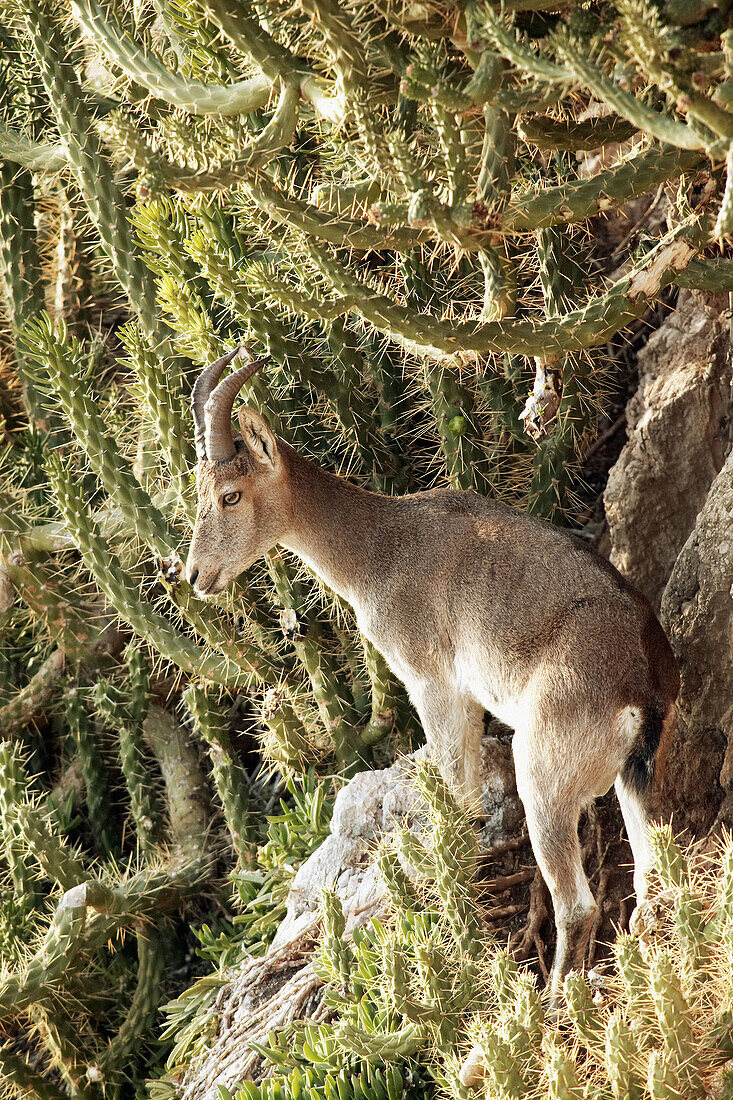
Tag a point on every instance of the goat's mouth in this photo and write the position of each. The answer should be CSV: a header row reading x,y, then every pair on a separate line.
x,y
213,587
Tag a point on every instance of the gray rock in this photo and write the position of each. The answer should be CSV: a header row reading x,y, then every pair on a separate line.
x,y
678,438
697,613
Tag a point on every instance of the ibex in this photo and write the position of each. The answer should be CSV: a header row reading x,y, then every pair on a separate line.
x,y
476,607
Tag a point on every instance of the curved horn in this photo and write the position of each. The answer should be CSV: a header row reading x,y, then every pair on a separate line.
x,y
200,395
218,411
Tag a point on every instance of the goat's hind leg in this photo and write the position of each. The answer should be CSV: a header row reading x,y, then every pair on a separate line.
x,y
552,819
637,819
637,790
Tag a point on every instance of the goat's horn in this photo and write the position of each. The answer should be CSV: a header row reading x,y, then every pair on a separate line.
x,y
200,395
218,412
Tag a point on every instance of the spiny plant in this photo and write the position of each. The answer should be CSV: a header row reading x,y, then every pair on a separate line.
x,y
657,1025
83,894
399,988
405,992
386,198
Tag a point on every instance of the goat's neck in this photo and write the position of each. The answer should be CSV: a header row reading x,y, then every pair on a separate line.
x,y
333,525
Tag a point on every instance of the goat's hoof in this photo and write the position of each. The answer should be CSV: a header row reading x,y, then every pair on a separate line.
x,y
473,1070
649,916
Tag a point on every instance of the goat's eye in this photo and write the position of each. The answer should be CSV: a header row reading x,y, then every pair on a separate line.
x,y
231,498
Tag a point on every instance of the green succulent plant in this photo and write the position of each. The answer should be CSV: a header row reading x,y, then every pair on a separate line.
x,y
387,199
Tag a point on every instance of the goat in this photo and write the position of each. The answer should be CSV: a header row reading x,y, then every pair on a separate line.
x,y
476,607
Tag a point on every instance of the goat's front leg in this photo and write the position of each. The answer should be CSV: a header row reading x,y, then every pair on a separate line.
x,y
453,727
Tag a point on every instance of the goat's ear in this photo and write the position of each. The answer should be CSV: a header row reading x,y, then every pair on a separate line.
x,y
258,438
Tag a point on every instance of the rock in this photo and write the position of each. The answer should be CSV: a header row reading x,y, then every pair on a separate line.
x,y
371,805
697,613
678,438
267,993
503,812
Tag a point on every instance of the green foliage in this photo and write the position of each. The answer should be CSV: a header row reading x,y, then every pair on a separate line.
x,y
399,219
657,1025
397,988
70,917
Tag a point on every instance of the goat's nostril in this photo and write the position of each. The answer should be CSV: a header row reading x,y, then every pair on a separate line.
x,y
193,576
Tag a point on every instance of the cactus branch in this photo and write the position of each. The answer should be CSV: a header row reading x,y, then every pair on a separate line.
x,y
121,133
146,69
20,271
583,327
248,34
227,771
38,156
140,1017
550,133
655,123
576,200
61,358
105,201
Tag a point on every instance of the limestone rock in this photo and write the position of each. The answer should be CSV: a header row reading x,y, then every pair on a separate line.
x,y
697,613
267,993
371,805
678,438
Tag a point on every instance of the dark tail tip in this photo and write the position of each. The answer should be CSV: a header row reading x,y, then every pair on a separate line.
x,y
638,771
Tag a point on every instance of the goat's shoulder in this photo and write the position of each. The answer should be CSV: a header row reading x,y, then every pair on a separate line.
x,y
487,534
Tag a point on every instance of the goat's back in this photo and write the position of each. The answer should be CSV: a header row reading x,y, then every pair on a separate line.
x,y
459,572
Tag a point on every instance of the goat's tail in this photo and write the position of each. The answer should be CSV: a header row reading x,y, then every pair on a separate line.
x,y
642,763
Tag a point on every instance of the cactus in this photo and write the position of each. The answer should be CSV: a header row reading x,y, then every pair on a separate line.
x,y
104,200
35,155
336,957
61,358
393,215
111,708
93,770
20,277
228,776
83,920
285,741
73,275
147,70
156,387
652,1033
581,1010
141,1014
621,1052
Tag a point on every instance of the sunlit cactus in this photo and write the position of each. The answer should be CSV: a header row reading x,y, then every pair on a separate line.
x,y
386,199
337,958
581,1009
658,1025
621,1059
